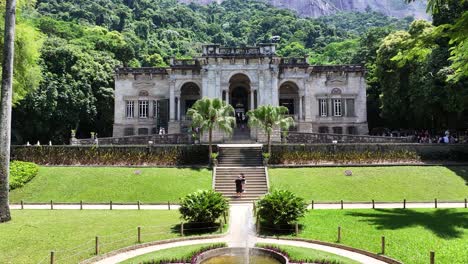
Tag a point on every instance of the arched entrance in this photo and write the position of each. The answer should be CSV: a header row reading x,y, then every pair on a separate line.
x,y
289,98
239,97
189,94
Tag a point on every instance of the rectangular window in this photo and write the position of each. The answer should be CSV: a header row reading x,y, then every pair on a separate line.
x,y
350,107
155,109
337,107
143,109
130,106
323,106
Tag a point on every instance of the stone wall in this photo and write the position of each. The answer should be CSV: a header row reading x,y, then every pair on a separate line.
x,y
367,153
135,140
310,138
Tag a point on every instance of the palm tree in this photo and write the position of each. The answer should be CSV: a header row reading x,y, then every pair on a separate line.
x,y
5,108
207,114
266,117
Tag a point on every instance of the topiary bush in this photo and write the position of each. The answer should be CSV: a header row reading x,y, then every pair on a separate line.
x,y
203,206
281,207
21,172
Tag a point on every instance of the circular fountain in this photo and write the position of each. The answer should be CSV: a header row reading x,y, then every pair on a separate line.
x,y
237,255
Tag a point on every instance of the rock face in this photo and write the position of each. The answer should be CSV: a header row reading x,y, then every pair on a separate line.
x,y
316,8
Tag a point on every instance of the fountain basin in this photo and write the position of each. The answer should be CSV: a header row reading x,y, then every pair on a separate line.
x,y
237,255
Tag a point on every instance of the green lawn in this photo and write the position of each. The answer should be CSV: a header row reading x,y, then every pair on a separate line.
x,y
410,234
102,184
298,254
32,234
416,183
165,254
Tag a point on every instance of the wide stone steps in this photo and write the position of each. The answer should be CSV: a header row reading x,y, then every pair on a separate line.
x,y
232,161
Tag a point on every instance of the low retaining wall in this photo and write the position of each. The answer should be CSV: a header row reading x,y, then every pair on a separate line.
x,y
155,155
135,140
301,154
310,138
282,154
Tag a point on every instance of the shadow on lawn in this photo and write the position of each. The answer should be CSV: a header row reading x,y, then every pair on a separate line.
x,y
460,171
445,223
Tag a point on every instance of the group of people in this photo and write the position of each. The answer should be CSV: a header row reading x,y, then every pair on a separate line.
x,y
240,185
446,138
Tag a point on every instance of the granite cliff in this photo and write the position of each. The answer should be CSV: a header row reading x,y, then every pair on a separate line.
x,y
316,8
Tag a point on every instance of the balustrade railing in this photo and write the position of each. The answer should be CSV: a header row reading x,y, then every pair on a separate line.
x,y
137,140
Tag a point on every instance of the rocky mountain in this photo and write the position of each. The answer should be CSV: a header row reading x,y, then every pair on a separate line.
x,y
316,8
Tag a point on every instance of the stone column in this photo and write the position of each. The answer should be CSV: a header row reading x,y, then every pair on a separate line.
x,y
252,106
300,107
274,88
172,100
178,107
227,96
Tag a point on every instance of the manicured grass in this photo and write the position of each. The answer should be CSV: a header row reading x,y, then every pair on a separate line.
x,y
32,234
299,253
380,183
102,184
410,234
165,254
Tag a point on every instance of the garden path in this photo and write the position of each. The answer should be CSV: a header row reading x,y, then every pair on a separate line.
x,y
241,234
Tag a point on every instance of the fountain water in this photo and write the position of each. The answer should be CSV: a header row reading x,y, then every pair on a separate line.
x,y
241,241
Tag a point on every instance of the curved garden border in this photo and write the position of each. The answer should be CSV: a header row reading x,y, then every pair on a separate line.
x,y
383,258
170,243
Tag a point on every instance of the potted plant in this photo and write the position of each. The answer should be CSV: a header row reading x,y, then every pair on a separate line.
x,y
214,159
266,158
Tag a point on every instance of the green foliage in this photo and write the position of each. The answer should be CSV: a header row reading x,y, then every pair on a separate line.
x,y
128,155
27,72
413,68
268,117
21,172
336,53
306,255
203,206
175,255
281,207
212,113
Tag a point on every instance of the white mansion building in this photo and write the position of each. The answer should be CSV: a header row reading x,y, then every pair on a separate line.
x,y
325,99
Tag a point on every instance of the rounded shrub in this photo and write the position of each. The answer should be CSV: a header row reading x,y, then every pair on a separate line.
x,y
203,206
21,172
281,207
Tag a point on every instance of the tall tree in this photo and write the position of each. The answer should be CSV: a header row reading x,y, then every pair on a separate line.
x,y
212,113
5,109
267,117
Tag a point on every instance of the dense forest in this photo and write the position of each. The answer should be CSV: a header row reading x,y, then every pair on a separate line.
x,y
67,51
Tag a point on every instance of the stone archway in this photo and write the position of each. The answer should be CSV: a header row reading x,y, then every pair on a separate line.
x,y
189,94
240,96
289,97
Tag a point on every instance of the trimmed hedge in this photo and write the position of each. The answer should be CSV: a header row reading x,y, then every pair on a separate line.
x,y
21,172
162,155
366,153
187,155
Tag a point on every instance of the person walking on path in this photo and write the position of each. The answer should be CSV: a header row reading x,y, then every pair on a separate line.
x,y
238,183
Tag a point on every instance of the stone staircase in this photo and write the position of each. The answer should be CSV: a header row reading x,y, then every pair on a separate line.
x,y
236,159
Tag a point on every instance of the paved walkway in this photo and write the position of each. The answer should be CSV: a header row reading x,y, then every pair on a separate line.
x,y
318,206
241,234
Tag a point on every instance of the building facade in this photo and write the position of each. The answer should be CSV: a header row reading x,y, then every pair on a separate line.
x,y
325,99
